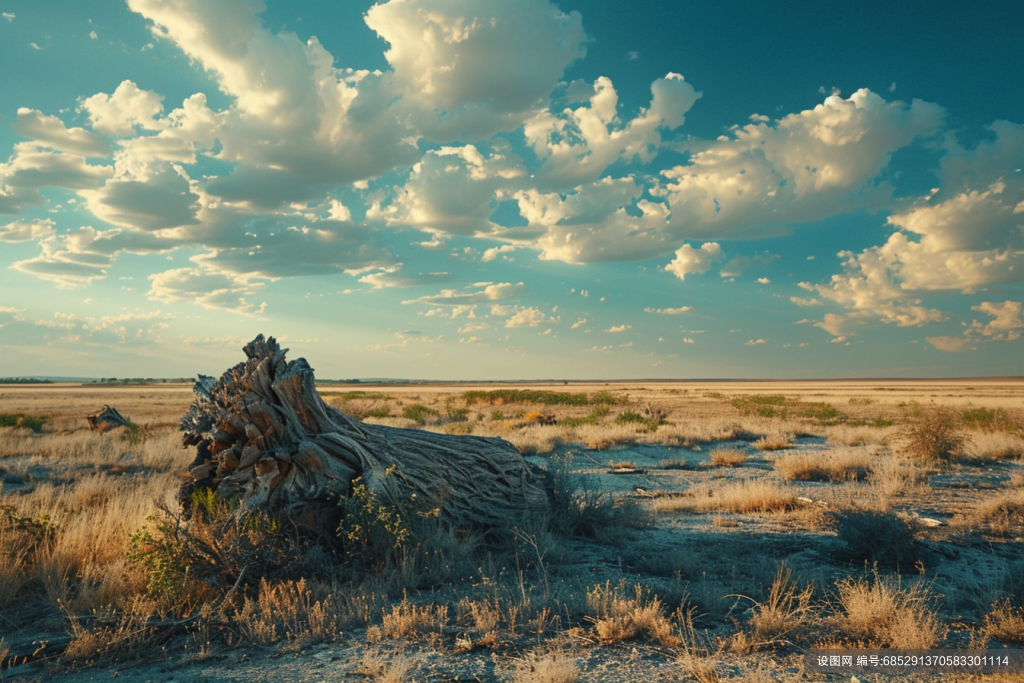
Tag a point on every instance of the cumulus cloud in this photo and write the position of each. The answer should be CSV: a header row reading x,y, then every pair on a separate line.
x,y
23,231
756,342
1006,325
128,106
668,311
527,317
392,278
206,288
484,292
452,190
619,328
492,253
804,167
689,260
579,144
51,131
460,64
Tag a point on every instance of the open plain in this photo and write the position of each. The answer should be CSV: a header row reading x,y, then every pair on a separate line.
x,y
703,531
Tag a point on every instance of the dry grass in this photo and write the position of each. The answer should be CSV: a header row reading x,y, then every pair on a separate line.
x,y
1005,623
882,613
834,465
785,610
555,667
846,435
289,610
933,436
891,476
381,669
1001,514
406,620
727,457
774,442
621,615
994,446
745,496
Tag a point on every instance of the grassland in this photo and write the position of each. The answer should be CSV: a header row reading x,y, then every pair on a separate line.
x,y
754,520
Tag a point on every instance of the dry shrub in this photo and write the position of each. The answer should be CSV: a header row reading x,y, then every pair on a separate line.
x,y
383,670
845,435
406,620
785,610
1005,623
111,639
835,465
483,614
993,446
999,515
773,442
20,541
882,613
727,457
932,437
289,610
891,476
746,496
877,538
619,616
546,668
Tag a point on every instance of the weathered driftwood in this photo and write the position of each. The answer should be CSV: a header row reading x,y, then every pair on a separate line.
x,y
266,438
108,418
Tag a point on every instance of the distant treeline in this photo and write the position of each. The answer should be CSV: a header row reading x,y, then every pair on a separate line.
x,y
143,380
24,380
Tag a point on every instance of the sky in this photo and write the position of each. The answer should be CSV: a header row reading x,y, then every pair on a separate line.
x,y
513,189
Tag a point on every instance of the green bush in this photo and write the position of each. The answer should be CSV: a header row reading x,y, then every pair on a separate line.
x,y
418,412
33,422
503,396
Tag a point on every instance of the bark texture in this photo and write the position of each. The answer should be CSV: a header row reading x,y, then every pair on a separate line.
x,y
108,418
265,437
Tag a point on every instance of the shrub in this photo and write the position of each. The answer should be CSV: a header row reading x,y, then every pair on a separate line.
x,y
784,610
772,442
728,457
619,616
503,396
606,398
988,420
881,613
823,413
875,537
836,465
760,404
183,558
418,412
578,508
33,422
932,437
1005,623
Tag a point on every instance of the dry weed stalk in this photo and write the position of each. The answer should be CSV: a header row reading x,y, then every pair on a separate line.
x,y
745,496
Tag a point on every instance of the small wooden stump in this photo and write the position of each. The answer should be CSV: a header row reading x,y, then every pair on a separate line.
x,y
106,419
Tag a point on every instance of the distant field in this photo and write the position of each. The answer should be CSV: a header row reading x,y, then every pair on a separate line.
x,y
733,525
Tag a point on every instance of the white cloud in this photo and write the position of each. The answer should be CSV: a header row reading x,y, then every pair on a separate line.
x,y
451,190
492,253
577,146
668,311
764,281
579,323
801,301
1007,321
485,292
460,64
51,131
619,328
689,260
527,317
128,106
207,288
23,231
756,342
952,344
391,278
9,16
806,166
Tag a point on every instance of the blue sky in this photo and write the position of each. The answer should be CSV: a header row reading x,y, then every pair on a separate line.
x,y
510,189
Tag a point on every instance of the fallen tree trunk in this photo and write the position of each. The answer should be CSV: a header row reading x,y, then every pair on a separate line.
x,y
266,438
106,419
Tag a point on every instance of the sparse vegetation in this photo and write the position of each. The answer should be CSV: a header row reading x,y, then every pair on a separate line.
x,y
77,553
834,465
727,457
932,436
